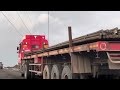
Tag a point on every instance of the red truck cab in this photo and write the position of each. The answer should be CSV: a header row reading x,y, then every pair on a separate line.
x,y
31,43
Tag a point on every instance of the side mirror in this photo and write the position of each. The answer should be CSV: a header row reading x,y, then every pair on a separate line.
x,y
17,48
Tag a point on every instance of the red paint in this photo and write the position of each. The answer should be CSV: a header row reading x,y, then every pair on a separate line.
x,y
31,43
114,46
37,60
102,45
108,46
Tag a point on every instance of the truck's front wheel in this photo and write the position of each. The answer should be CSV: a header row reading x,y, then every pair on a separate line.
x,y
26,71
21,67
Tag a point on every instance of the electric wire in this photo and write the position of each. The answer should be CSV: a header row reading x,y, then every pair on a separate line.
x,y
11,24
23,22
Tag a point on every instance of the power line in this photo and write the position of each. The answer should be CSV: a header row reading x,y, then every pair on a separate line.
x,y
23,22
14,24
11,23
29,17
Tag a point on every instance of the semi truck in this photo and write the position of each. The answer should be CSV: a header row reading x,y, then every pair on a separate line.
x,y
90,56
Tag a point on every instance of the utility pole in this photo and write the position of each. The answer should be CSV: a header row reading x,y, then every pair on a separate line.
x,y
48,25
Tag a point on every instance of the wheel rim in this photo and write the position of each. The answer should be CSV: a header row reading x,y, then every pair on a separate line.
x,y
46,72
66,73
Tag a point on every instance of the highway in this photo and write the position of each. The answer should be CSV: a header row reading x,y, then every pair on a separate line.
x,y
11,73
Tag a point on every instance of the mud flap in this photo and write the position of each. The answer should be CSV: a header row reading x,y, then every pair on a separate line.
x,y
80,63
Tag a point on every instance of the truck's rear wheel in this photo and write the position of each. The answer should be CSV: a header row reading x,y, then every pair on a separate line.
x,y
47,72
66,73
56,72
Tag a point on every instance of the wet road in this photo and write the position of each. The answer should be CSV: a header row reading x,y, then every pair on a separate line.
x,y
10,74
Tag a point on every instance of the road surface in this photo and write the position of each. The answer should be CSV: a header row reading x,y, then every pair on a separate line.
x,y
10,74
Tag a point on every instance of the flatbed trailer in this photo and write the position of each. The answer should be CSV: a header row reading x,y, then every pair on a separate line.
x,y
88,56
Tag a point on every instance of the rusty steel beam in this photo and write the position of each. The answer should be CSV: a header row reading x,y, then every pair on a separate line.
x,y
70,36
112,34
99,35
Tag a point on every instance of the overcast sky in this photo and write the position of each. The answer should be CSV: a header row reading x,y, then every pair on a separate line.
x,y
82,22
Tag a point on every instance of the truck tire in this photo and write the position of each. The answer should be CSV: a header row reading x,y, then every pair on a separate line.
x,y
56,72
66,72
26,71
47,72
22,70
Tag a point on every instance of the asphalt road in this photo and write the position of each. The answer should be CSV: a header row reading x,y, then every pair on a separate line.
x,y
10,74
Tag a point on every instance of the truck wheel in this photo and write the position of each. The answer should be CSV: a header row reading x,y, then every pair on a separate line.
x,y
66,73
56,72
22,70
47,72
26,71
